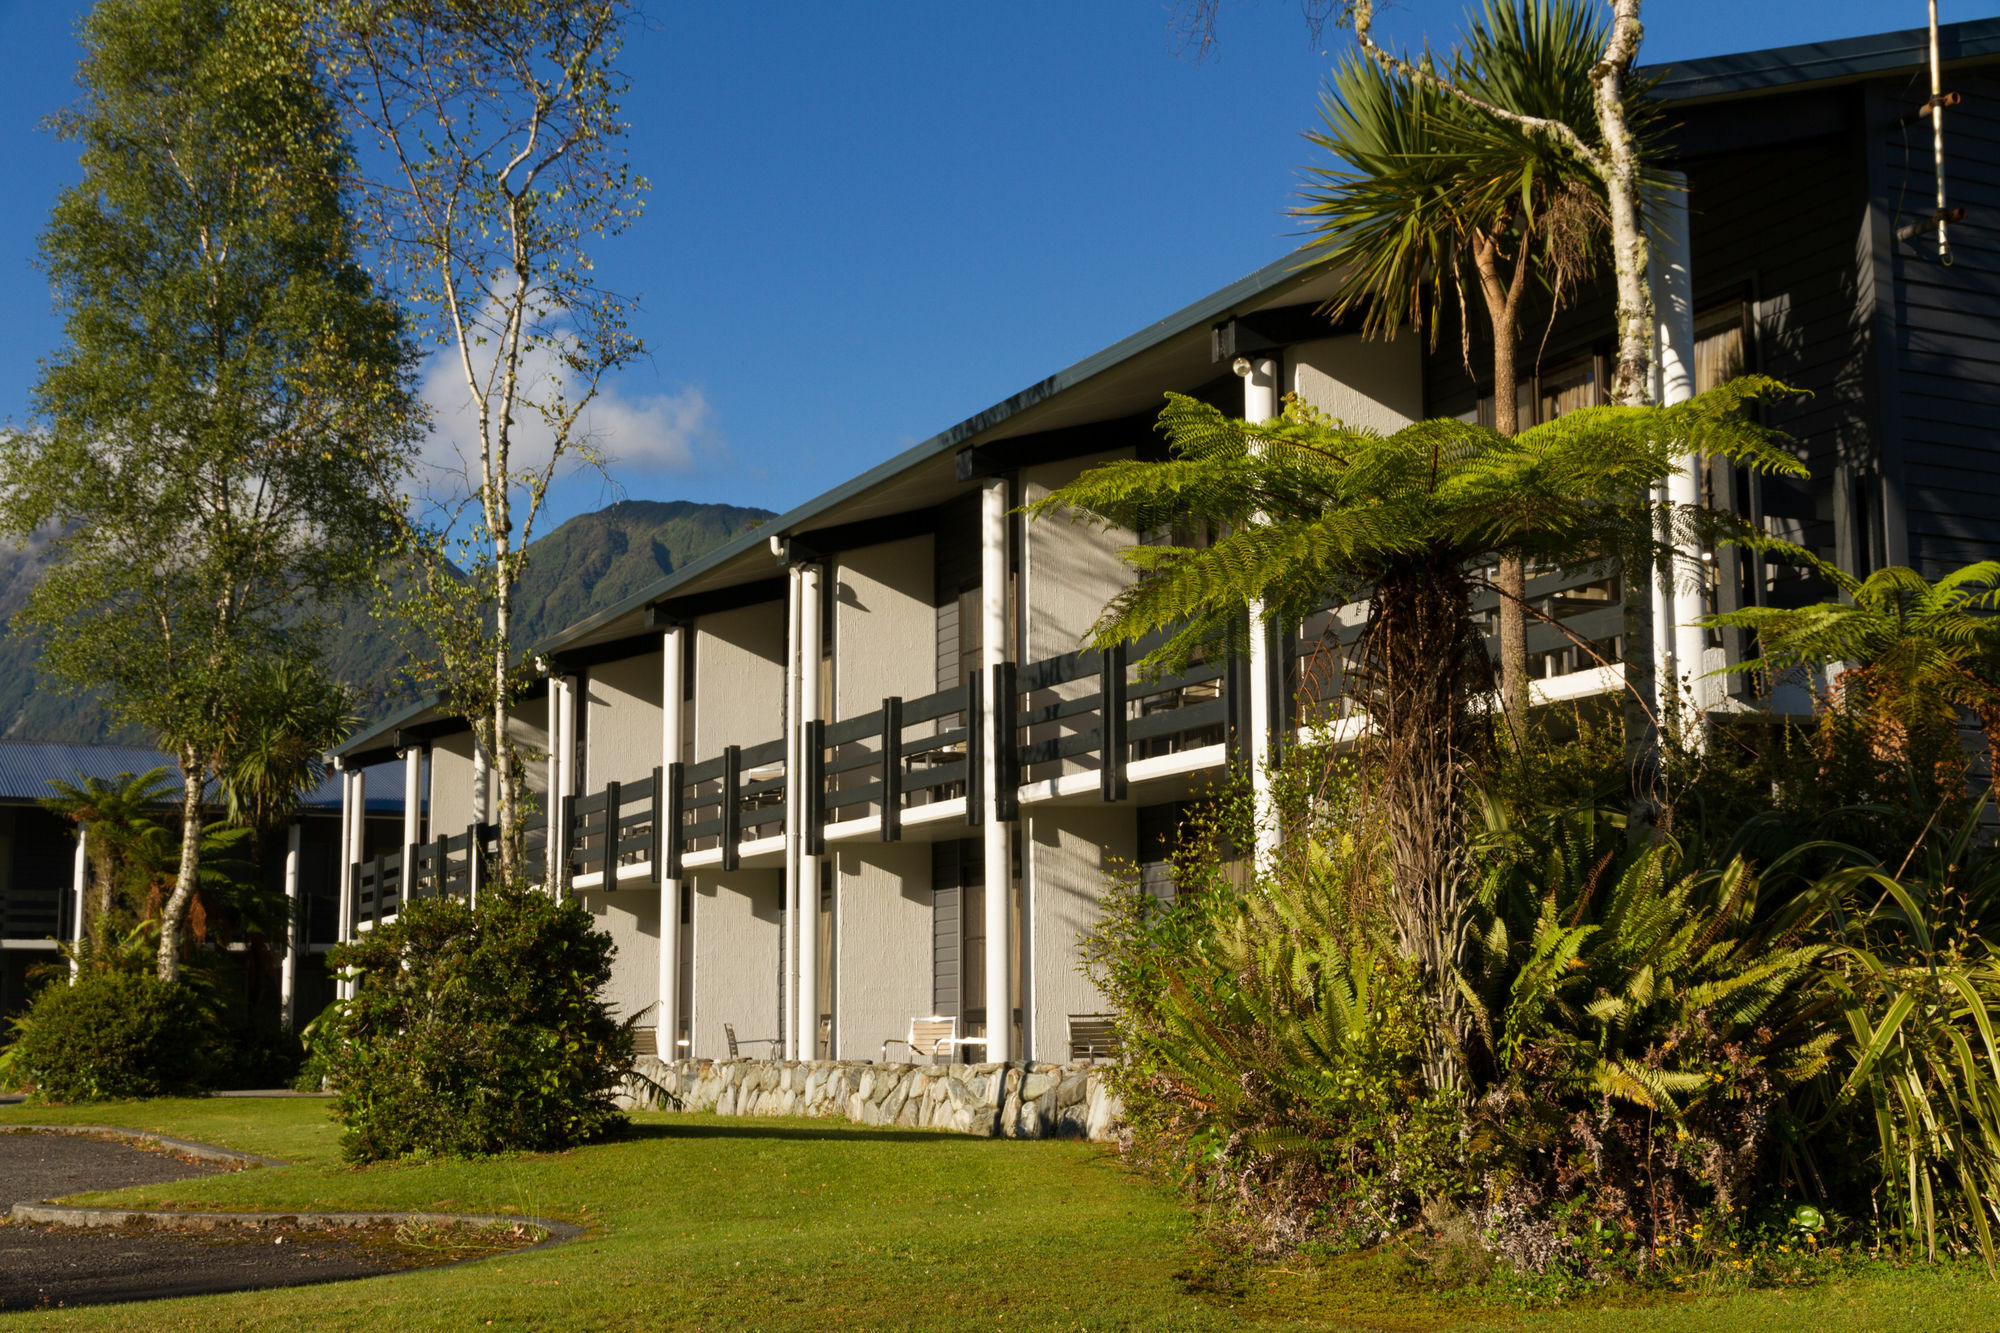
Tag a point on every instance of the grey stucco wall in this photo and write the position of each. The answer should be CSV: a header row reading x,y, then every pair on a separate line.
x,y
623,730
882,919
736,920
739,678
1068,852
1368,382
451,783
883,625
451,767
631,916
1070,570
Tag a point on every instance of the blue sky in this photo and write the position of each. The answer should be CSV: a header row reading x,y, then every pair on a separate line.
x,y
871,221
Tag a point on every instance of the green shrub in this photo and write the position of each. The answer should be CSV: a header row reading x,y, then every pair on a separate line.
x,y
318,1040
476,1032
116,1034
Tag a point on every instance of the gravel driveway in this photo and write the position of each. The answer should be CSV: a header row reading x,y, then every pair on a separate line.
x,y
42,1267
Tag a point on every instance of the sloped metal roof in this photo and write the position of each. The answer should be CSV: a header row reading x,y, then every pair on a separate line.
x,y
28,768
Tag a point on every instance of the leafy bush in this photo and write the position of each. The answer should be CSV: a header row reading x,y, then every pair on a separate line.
x,y
1643,1044
318,1041
116,1034
477,1032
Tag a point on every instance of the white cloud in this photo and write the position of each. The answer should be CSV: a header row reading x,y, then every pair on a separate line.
x,y
634,434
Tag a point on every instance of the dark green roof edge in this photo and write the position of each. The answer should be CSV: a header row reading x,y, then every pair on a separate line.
x,y
1181,321
1822,62
1189,317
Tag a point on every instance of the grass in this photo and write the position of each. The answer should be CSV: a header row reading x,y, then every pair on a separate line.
x,y
705,1223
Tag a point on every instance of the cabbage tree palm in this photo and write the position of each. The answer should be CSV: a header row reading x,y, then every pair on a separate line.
x,y
1346,513
276,751
1921,650
119,814
1428,195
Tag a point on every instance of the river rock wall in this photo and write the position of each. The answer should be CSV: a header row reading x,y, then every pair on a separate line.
x,y
1023,1100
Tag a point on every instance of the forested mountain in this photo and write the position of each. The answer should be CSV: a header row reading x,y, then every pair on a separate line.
x,y
590,562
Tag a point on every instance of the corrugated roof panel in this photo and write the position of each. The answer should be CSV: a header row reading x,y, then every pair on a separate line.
x,y
27,769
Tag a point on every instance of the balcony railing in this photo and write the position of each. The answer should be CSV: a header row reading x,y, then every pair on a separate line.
x,y
906,761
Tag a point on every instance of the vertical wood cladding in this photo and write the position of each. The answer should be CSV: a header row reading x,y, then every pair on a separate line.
x,y
1945,320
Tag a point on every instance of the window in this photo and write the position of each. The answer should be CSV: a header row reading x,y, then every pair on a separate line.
x,y
1718,346
1541,398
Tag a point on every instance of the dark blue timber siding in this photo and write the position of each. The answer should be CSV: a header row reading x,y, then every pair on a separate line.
x,y
1944,321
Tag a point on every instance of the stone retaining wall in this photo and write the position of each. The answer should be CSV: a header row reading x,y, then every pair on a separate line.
x,y
1022,1100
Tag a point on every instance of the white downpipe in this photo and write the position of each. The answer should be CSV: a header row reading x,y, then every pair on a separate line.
x,y
288,977
667,1013
1260,403
808,864
413,813
996,836
80,882
788,999
1673,302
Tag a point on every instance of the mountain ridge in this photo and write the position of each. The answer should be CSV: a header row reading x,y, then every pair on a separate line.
x,y
588,563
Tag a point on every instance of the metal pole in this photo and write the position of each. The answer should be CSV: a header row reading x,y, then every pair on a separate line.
x,y
997,836
1937,136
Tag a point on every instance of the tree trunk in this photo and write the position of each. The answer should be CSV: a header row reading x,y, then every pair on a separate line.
x,y
1989,722
194,773
1511,579
1423,661
1619,170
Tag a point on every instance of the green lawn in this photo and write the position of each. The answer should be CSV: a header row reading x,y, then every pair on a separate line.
x,y
704,1223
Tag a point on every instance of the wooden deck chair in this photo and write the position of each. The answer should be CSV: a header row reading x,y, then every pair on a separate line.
x,y
729,1034
929,1038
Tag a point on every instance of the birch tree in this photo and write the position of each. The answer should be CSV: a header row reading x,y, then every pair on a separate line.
x,y
494,155
231,400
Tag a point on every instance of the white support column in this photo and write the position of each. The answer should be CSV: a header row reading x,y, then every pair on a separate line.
x,y
562,775
413,814
997,837
482,783
808,864
356,803
343,880
667,1011
1673,303
1260,403
80,883
295,935
788,950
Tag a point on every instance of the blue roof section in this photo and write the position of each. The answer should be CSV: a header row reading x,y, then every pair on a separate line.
x,y
1750,72
27,769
